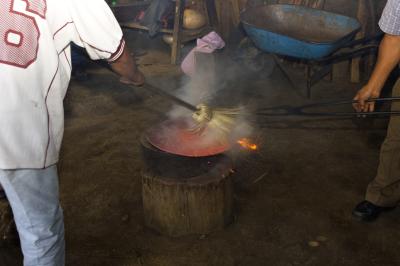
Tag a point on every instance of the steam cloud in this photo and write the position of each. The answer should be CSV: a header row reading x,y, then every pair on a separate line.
x,y
204,87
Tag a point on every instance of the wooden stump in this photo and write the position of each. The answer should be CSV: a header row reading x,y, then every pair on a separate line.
x,y
197,205
181,207
184,195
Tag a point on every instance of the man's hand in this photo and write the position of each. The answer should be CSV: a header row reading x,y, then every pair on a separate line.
x,y
388,58
362,96
136,79
126,67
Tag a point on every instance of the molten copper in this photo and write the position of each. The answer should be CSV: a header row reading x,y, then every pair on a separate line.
x,y
176,136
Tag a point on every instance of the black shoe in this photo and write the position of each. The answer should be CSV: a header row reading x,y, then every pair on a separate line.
x,y
367,211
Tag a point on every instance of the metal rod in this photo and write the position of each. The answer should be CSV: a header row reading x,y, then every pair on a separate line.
x,y
301,110
388,99
332,114
336,102
158,91
168,96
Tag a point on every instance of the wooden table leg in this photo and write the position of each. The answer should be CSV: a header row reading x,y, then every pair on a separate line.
x,y
176,44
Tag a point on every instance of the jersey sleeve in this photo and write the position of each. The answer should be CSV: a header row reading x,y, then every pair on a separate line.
x,y
97,29
390,19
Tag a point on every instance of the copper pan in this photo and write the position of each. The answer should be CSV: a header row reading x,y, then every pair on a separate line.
x,y
175,136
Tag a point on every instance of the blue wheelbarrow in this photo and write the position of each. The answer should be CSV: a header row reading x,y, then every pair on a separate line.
x,y
310,35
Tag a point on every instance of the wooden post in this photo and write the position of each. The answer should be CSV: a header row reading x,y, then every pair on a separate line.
x,y
372,29
362,15
228,16
212,13
176,44
236,12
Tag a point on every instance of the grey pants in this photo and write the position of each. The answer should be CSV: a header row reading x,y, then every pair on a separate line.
x,y
34,199
384,190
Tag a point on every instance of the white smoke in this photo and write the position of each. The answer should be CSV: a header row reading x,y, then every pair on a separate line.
x,y
203,87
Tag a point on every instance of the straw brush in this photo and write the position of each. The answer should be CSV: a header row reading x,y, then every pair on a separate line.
x,y
220,120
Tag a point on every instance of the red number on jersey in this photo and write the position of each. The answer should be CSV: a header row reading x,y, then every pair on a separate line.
x,y
37,7
19,33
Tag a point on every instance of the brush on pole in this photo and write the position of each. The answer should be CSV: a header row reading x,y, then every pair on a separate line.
x,y
220,120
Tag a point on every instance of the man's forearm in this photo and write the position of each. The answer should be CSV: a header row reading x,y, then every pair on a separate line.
x,y
388,58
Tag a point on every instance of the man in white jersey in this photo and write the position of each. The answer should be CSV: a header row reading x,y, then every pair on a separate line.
x,y
35,70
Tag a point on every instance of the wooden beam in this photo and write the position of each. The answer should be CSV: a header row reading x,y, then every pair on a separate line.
x,y
236,12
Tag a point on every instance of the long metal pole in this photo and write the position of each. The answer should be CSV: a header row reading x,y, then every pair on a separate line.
x,y
168,96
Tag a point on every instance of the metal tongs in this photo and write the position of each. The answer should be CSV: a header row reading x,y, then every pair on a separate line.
x,y
306,110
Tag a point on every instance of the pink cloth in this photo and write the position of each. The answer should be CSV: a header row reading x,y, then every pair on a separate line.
x,y
207,44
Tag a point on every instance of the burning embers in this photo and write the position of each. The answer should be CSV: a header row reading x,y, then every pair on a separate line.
x,y
247,144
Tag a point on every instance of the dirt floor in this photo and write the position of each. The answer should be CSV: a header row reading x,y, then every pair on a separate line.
x,y
293,197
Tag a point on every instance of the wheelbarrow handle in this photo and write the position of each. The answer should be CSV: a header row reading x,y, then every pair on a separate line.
x,y
364,40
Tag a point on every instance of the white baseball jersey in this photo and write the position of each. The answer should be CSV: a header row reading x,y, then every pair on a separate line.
x,y
35,70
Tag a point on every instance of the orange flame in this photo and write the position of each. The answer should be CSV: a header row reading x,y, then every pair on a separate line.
x,y
247,144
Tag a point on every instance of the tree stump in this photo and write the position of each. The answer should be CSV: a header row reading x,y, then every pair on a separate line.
x,y
177,207
184,205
